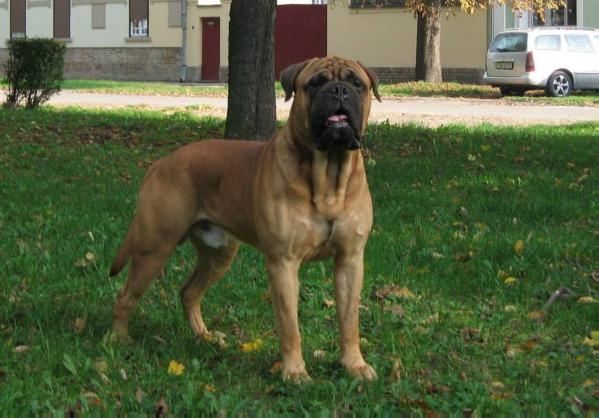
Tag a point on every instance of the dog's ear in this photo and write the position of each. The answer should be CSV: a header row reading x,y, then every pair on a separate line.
x,y
374,80
288,77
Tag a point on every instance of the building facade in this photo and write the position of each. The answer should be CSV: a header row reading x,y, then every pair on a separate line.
x,y
147,40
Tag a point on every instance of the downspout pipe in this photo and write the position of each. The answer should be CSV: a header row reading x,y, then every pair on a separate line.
x,y
183,75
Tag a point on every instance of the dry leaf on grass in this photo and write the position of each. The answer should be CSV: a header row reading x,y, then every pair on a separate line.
x,y
519,247
252,346
79,324
328,303
175,368
161,408
385,292
21,349
140,394
587,299
396,370
276,367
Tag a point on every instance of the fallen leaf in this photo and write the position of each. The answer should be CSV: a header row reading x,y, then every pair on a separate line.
x,y
509,308
319,354
252,346
396,370
328,303
510,281
397,310
519,247
530,344
159,339
101,366
512,351
161,408
537,316
463,257
392,290
92,398
432,319
587,299
140,395
470,334
175,368
209,388
90,257
587,383
276,367
123,374
21,349
79,324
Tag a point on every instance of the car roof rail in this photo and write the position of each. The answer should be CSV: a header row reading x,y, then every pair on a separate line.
x,y
564,28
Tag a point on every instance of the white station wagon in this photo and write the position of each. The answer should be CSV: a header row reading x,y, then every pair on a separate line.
x,y
556,59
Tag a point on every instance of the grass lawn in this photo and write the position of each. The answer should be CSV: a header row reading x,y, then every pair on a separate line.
x,y
474,230
389,91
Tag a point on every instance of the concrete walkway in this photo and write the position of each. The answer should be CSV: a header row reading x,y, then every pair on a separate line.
x,y
427,111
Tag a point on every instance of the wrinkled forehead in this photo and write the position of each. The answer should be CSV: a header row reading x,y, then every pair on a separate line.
x,y
334,68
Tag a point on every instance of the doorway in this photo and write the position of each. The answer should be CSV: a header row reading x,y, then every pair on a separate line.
x,y
210,48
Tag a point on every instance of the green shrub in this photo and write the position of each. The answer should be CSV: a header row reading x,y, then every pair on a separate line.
x,y
34,70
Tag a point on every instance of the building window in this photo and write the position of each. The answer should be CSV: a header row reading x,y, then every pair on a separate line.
x,y
62,19
17,18
563,16
138,18
98,16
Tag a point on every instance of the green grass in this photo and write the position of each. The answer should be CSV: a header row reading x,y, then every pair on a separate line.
x,y
449,205
389,91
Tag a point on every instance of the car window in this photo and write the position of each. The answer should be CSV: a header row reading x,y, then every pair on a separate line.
x,y
549,42
580,43
510,42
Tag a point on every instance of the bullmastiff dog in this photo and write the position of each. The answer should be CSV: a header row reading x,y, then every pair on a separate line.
x,y
299,197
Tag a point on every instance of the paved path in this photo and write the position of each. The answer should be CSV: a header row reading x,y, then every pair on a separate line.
x,y
428,111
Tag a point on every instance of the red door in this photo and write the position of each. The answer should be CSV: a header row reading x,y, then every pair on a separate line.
x,y
300,33
210,48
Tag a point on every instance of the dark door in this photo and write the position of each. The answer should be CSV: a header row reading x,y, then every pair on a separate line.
x,y
300,33
62,18
210,48
17,18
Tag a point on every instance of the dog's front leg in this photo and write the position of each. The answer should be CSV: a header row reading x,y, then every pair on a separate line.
x,y
349,272
284,288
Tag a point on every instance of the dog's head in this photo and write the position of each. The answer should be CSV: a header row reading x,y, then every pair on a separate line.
x,y
332,100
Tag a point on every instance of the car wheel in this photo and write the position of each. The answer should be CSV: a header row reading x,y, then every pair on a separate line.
x,y
559,85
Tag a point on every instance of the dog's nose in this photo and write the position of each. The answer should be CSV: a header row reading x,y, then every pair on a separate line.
x,y
340,91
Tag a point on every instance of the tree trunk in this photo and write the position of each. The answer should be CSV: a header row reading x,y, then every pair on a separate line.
x,y
251,103
430,42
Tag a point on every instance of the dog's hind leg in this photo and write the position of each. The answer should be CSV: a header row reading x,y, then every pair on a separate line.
x,y
213,263
144,267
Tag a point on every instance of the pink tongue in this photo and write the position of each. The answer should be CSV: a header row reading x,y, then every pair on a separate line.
x,y
336,119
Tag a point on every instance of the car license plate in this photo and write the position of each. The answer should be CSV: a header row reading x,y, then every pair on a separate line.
x,y
504,65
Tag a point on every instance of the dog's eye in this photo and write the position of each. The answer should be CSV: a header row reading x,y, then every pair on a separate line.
x,y
358,83
316,82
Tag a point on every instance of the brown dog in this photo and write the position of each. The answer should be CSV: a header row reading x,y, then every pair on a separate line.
x,y
300,196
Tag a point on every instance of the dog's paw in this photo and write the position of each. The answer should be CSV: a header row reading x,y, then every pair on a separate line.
x,y
297,374
362,370
114,337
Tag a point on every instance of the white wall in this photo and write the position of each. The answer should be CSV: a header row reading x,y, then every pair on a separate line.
x,y
4,26
39,22
117,27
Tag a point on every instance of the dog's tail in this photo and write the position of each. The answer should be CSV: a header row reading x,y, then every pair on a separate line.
x,y
124,254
